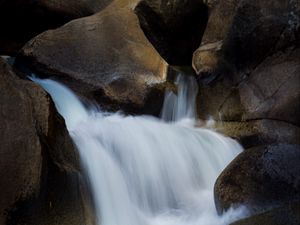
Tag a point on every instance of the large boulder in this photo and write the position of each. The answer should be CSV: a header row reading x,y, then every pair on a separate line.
x,y
271,91
105,57
36,153
175,28
241,33
286,214
22,20
260,178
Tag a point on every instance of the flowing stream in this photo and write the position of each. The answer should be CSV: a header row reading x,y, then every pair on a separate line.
x,y
144,170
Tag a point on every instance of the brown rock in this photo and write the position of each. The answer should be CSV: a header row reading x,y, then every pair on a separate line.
x,y
22,20
250,31
261,178
104,57
286,214
175,28
34,146
273,89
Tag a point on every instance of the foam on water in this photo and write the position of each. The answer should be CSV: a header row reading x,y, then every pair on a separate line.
x,y
144,171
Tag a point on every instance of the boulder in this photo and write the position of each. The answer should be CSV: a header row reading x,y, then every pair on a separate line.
x,y
22,20
286,214
175,28
34,145
245,33
259,132
105,57
261,178
272,90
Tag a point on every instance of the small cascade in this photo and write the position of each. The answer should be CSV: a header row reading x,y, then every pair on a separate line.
x,y
181,105
143,170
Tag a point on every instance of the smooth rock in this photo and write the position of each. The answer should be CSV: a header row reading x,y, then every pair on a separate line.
x,y
261,178
175,28
34,144
286,214
22,20
105,57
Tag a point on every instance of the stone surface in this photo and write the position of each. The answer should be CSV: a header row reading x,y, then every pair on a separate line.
x,y
36,152
105,57
22,20
249,31
286,214
259,132
260,178
175,28
272,90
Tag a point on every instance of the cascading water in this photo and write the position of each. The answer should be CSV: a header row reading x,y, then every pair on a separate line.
x,y
182,105
144,171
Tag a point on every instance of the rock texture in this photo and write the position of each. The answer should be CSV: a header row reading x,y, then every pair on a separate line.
x,y
105,57
260,178
175,28
34,146
22,20
246,32
286,214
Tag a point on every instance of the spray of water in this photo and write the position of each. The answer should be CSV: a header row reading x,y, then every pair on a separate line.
x,y
144,171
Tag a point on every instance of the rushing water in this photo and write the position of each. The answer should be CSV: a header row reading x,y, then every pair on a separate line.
x,y
144,171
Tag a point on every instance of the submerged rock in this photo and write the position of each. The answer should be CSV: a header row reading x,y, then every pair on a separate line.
x,y
105,57
34,145
22,20
261,178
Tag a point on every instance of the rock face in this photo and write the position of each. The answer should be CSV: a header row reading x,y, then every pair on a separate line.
x,y
286,214
260,178
248,67
271,91
31,152
22,20
174,27
105,57
247,31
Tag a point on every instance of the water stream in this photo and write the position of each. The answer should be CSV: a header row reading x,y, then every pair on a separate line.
x,y
144,170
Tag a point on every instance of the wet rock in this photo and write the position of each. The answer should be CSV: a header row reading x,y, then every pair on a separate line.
x,y
260,178
267,100
248,31
22,20
286,214
175,28
259,132
105,57
32,137
272,90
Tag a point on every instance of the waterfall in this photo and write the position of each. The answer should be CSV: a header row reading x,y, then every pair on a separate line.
x,y
143,170
181,105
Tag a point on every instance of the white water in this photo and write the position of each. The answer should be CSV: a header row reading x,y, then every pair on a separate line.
x,y
181,105
144,171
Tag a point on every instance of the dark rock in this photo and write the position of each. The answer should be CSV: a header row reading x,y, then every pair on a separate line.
x,y
104,57
34,143
273,89
286,214
267,100
247,31
22,20
260,132
260,178
175,28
